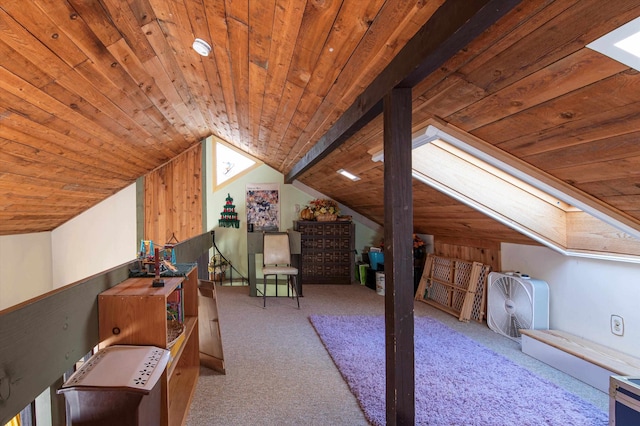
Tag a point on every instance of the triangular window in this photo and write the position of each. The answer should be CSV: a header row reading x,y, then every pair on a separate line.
x,y
230,163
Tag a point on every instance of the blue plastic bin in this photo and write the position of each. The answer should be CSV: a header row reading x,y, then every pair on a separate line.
x,y
376,260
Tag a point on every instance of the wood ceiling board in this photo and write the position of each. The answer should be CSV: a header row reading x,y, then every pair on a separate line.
x,y
169,63
191,69
351,25
481,229
452,26
614,148
260,30
445,98
608,123
318,20
612,188
238,50
503,33
626,168
281,96
286,108
627,203
50,171
39,24
378,51
127,20
171,111
53,150
580,69
34,189
161,98
23,43
219,37
609,149
585,102
562,36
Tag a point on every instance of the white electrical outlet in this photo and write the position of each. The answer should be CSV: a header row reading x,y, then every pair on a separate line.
x,y
617,325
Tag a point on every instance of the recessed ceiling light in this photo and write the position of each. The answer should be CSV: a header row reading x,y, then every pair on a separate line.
x,y
621,44
348,175
202,47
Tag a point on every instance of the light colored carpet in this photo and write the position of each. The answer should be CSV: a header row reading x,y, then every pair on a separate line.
x,y
279,373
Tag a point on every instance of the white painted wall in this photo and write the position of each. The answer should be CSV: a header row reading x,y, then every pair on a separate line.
x,y
584,293
99,239
232,242
25,265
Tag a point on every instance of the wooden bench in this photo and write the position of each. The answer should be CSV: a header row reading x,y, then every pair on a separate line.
x,y
585,360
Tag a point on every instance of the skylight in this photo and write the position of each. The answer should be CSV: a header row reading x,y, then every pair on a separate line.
x,y
348,175
519,195
621,44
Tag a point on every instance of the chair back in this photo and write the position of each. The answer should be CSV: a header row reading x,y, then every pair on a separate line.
x,y
275,249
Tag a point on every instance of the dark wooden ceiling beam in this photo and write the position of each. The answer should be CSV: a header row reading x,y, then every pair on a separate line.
x,y
454,25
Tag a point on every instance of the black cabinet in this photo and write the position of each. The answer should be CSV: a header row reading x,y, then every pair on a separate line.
x,y
328,252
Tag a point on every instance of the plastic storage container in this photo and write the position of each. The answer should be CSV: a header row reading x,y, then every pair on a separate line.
x,y
376,260
380,283
362,273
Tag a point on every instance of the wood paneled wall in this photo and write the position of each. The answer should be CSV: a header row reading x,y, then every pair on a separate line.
x,y
486,252
173,198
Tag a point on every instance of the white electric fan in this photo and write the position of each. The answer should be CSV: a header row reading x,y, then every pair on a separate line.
x,y
516,301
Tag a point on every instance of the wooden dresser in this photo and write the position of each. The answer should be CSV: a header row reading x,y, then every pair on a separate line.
x,y
328,252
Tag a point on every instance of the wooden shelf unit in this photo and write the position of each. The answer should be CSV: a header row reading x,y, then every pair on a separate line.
x,y
135,313
328,252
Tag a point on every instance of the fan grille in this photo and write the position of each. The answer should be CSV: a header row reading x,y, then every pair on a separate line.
x,y
510,305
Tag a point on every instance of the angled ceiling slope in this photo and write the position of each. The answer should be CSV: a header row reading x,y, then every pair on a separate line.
x,y
521,197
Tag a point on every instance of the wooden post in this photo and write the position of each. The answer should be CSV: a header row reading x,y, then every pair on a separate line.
x,y
398,264
58,404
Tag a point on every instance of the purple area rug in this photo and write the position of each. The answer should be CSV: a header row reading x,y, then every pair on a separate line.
x,y
458,381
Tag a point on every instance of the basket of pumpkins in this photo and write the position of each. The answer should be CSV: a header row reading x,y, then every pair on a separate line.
x,y
322,210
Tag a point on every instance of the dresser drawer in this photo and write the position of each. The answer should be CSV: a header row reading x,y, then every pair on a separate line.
x,y
327,252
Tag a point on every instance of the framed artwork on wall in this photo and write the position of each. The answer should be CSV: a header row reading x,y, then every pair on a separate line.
x,y
263,207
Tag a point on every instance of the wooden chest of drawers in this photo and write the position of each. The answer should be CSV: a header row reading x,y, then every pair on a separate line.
x,y
328,252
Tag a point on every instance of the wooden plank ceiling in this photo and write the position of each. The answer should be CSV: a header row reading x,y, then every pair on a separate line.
x,y
96,93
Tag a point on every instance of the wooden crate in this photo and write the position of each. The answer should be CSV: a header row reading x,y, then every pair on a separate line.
x,y
455,286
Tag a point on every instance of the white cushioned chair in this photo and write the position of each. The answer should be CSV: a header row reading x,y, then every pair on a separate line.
x,y
277,261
